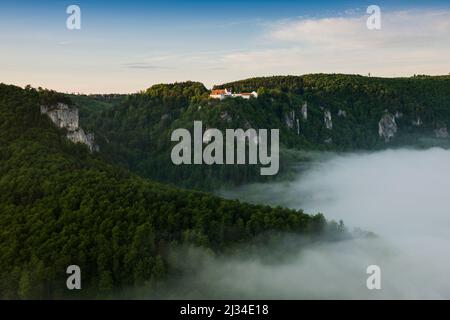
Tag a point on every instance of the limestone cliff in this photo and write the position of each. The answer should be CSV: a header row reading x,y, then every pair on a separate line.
x,y
342,113
304,111
418,122
387,127
66,117
441,133
327,119
290,119
62,115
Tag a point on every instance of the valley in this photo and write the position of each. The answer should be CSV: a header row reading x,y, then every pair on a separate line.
x,y
366,158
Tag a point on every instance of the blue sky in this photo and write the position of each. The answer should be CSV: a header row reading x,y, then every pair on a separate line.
x,y
126,46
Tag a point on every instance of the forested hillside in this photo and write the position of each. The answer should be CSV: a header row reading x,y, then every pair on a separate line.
x,y
357,103
135,132
61,205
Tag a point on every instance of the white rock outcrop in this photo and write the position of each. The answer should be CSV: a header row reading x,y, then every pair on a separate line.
x,y
327,119
398,115
289,119
441,133
418,122
62,115
342,113
66,117
387,127
304,111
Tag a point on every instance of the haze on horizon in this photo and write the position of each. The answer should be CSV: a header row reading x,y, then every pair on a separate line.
x,y
127,47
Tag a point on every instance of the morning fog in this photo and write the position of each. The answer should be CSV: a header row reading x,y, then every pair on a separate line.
x,y
400,195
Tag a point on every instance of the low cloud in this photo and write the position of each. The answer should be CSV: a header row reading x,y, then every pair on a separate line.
x,y
408,43
400,29
400,195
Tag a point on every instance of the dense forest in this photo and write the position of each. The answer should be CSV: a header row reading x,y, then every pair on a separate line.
x,y
134,130
109,212
60,204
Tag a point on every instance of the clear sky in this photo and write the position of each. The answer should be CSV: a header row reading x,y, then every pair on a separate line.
x,y
126,46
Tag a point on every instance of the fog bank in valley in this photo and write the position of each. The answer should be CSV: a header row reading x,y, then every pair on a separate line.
x,y
401,195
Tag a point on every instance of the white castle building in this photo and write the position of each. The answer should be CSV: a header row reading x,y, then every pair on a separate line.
x,y
225,93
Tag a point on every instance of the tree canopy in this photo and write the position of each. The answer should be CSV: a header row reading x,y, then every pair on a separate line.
x,y
61,205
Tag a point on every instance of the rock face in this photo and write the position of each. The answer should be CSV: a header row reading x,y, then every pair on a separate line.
x,y
79,136
290,118
67,117
327,119
62,115
387,127
441,133
342,113
418,122
298,126
304,111
165,117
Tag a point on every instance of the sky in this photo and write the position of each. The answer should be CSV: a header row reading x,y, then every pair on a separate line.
x,y
127,46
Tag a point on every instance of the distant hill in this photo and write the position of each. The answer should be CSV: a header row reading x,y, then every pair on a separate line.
x,y
61,204
343,113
